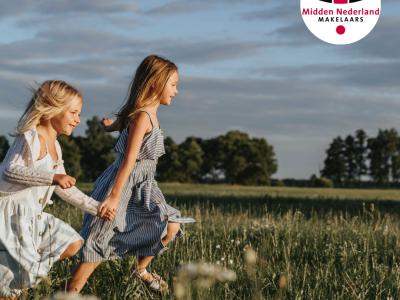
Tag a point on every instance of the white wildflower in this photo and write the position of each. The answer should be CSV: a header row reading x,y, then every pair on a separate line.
x,y
231,261
70,296
266,226
232,241
340,247
237,242
218,246
244,230
222,258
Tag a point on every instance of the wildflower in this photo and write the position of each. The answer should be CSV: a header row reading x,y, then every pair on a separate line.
x,y
204,275
222,258
231,261
64,296
218,246
237,242
232,241
250,256
244,230
266,226
340,247
218,262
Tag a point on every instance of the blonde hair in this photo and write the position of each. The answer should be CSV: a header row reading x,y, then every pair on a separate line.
x,y
150,79
50,99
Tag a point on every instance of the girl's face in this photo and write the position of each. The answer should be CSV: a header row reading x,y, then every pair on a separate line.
x,y
170,89
66,122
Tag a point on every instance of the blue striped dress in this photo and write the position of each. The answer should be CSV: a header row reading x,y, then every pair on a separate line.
x,y
143,214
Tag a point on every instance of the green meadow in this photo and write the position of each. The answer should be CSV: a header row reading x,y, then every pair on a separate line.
x,y
308,244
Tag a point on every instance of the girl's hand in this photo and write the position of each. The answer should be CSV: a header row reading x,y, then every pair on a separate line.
x,y
109,204
106,123
64,181
110,215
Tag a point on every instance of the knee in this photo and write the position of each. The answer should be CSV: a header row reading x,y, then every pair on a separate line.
x,y
74,248
174,228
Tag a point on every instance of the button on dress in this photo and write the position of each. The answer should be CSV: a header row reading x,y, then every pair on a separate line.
x,y
143,214
30,239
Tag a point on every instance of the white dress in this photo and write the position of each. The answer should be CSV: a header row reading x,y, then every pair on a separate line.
x,y
30,239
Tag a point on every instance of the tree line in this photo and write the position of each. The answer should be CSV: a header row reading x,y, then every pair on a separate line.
x,y
349,159
233,157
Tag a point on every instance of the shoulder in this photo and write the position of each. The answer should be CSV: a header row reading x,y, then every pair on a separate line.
x,y
142,122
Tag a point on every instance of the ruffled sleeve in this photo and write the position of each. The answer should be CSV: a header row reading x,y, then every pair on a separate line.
x,y
17,167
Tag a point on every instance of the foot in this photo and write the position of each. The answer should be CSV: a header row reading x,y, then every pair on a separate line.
x,y
154,281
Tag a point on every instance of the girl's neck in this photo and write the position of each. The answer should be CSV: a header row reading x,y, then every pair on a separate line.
x,y
47,131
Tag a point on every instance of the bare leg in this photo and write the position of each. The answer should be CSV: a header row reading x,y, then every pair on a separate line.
x,y
11,298
80,274
71,250
172,230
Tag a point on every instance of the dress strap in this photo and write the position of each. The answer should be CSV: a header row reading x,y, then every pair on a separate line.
x,y
151,120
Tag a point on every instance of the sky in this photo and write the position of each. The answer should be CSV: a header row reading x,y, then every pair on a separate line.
x,y
247,65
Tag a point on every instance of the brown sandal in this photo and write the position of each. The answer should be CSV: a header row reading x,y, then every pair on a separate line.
x,y
157,283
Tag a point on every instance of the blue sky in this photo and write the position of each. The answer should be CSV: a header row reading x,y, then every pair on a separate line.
x,y
243,65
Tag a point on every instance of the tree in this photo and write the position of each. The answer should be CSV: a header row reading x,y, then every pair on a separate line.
x,y
360,146
245,161
349,155
335,164
4,146
190,157
169,166
96,150
71,155
383,156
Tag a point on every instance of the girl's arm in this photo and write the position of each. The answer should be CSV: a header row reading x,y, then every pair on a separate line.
x,y
77,198
109,125
136,134
15,168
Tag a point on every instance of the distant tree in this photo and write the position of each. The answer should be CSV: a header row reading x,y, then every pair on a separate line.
x,y
350,155
211,167
383,156
4,146
169,165
190,157
71,155
320,182
96,150
335,163
245,161
361,148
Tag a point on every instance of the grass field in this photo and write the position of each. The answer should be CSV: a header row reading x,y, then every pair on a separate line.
x,y
309,244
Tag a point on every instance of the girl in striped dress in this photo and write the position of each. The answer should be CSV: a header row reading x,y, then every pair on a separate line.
x,y
145,223
30,239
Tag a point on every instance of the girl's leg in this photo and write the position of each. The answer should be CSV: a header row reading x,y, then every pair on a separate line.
x,y
71,250
80,274
172,230
11,298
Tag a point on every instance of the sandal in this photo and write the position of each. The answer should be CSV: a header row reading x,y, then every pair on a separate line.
x,y
157,283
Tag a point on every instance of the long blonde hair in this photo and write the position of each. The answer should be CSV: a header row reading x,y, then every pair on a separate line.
x,y
50,99
150,79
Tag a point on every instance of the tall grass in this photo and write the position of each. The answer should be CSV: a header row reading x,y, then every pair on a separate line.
x,y
305,249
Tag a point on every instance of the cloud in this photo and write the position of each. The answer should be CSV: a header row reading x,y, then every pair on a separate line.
x,y
367,76
59,7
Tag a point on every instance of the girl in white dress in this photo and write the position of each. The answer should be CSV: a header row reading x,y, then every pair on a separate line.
x,y
30,239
